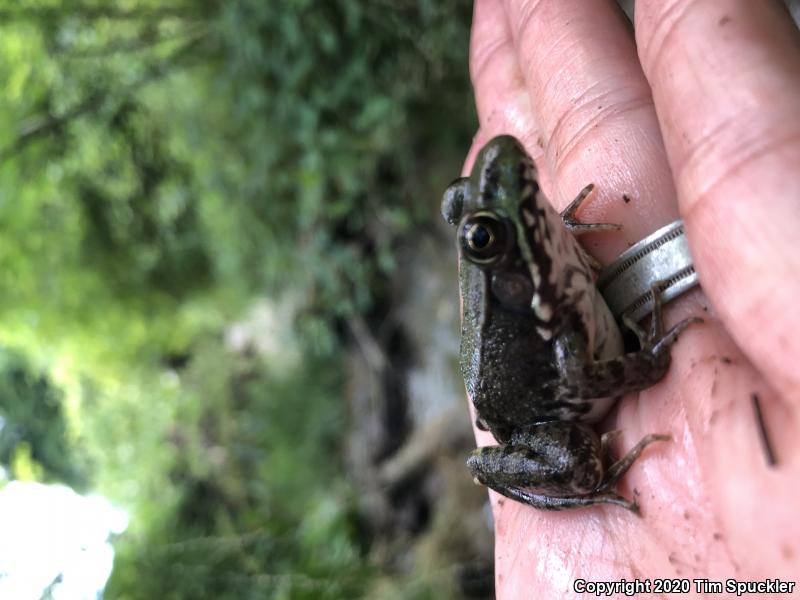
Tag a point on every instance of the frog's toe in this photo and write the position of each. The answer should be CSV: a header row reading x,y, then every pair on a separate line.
x,y
617,500
619,468
634,506
606,441
632,325
668,339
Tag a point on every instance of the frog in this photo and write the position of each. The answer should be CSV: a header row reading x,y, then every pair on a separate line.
x,y
542,356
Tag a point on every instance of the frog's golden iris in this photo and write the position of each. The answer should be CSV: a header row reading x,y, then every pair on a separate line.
x,y
483,237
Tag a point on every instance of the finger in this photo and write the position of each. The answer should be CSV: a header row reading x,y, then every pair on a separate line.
x,y
478,142
500,95
593,104
726,83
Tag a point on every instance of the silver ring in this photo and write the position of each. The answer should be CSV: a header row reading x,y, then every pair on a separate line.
x,y
661,256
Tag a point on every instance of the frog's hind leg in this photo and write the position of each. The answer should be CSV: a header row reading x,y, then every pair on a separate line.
x,y
551,466
556,503
588,379
656,338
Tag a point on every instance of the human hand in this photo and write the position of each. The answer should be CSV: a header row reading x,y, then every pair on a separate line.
x,y
697,117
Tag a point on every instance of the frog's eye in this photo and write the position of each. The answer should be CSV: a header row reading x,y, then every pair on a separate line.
x,y
483,238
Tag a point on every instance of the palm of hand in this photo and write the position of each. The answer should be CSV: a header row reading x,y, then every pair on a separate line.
x,y
564,77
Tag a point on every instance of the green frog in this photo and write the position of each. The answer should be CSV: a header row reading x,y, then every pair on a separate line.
x,y
542,357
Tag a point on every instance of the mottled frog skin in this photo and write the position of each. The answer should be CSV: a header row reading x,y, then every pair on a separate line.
x,y
541,355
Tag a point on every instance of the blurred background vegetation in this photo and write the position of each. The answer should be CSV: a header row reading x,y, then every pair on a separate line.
x,y
209,218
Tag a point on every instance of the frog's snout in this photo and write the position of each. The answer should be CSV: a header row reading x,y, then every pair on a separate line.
x,y
453,201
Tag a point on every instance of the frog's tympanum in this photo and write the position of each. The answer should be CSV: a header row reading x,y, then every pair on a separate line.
x,y
541,354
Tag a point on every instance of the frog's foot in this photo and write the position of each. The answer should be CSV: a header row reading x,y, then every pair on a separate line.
x,y
575,226
619,468
514,472
553,466
656,339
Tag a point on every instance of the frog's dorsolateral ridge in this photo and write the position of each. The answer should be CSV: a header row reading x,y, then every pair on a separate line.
x,y
541,355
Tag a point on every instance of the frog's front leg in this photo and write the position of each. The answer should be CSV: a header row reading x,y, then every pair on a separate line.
x,y
575,226
585,378
554,466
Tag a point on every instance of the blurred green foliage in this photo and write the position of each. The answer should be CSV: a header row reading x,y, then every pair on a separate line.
x,y
162,165
257,505
33,430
